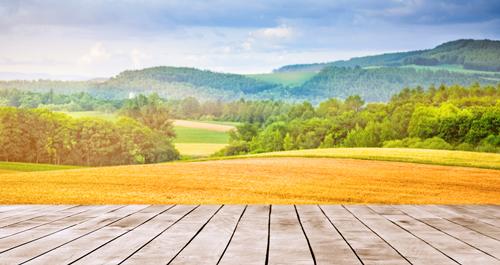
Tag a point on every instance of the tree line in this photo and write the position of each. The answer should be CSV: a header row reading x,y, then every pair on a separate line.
x,y
447,117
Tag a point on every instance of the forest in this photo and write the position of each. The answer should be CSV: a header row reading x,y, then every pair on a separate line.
x,y
447,117
39,135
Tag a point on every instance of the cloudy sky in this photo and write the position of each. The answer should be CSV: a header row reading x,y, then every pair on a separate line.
x,y
102,38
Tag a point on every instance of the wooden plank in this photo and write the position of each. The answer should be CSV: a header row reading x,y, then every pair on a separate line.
x,y
7,210
112,253
471,223
450,246
249,243
486,244
484,214
412,248
36,248
483,211
39,220
163,248
368,246
209,245
15,210
47,229
25,213
327,244
287,242
74,250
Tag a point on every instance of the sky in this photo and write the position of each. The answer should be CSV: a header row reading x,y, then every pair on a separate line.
x,y
87,39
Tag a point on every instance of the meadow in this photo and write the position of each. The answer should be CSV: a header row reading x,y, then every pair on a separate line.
x,y
200,139
8,167
423,156
257,180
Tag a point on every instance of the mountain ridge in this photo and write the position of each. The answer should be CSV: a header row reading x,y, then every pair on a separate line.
x,y
471,54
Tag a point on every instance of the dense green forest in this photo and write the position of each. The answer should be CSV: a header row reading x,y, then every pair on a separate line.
x,y
448,117
469,54
41,136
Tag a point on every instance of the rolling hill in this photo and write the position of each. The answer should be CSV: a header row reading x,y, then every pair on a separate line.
x,y
375,78
466,53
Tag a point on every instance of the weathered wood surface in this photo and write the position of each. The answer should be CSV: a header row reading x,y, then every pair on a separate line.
x,y
250,234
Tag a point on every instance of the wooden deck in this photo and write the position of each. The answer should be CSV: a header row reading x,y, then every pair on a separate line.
x,y
253,234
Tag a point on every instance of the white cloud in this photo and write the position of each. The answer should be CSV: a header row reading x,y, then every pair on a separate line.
x,y
276,33
97,53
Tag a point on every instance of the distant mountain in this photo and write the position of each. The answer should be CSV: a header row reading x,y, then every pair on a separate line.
x,y
471,54
380,83
375,78
168,82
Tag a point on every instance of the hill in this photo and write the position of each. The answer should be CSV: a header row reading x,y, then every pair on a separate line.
x,y
380,83
168,82
467,53
264,180
375,78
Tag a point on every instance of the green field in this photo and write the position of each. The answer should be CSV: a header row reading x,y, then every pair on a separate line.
x,y
284,78
28,167
420,156
195,135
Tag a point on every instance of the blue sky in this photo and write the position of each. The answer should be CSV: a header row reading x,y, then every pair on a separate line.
x,y
102,38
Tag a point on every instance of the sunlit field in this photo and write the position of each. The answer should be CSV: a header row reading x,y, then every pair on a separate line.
x,y
198,149
201,139
257,180
27,167
425,156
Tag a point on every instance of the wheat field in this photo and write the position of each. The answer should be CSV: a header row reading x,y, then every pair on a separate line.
x,y
257,180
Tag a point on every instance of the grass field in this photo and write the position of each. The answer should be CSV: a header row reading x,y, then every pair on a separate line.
x,y
197,150
195,135
257,180
6,167
285,78
200,139
423,156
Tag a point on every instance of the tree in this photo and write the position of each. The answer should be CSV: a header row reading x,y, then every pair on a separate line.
x,y
151,112
288,142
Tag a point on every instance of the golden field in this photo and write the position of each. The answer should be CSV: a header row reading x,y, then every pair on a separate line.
x,y
198,149
204,125
423,156
256,180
